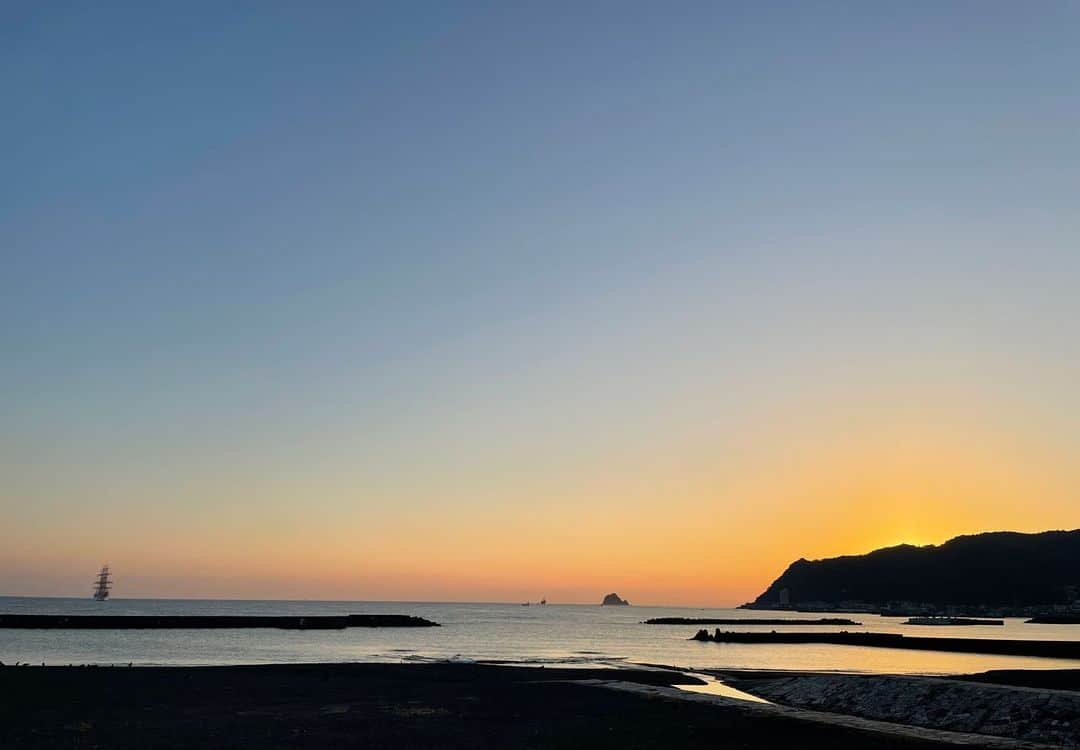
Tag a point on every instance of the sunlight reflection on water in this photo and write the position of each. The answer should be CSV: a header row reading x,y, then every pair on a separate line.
x,y
714,686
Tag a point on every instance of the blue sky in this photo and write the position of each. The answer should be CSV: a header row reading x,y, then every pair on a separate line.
x,y
262,255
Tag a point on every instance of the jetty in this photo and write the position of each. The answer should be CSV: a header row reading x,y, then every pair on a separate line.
x,y
747,621
1006,647
207,622
951,621
1055,620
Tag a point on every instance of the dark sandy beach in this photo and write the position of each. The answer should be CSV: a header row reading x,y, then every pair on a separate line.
x,y
385,705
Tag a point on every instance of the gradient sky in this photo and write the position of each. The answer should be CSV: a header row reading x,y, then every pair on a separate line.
x,y
460,301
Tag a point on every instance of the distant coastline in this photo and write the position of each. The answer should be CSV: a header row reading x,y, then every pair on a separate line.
x,y
997,574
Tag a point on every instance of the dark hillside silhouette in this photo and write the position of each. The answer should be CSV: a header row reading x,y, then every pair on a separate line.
x,y
998,569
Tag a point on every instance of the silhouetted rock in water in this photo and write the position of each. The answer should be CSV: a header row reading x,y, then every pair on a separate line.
x,y
702,635
1000,569
747,621
613,600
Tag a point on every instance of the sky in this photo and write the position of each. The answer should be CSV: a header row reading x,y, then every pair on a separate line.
x,y
495,301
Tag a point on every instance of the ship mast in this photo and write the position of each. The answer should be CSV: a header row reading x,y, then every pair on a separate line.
x,y
102,584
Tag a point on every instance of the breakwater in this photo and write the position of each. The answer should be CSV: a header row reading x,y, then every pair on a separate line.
x,y
1055,620
951,621
747,621
202,622
1052,649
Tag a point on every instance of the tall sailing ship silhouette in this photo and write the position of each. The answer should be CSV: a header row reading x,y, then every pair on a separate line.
x,y
102,585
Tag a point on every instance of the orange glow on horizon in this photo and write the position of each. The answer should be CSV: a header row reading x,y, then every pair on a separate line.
x,y
691,524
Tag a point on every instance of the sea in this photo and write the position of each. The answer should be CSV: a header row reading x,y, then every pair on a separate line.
x,y
551,635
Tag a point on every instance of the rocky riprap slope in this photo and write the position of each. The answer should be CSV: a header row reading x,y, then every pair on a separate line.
x,y
1045,716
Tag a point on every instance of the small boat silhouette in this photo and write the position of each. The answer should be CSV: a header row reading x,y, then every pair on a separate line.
x,y
102,585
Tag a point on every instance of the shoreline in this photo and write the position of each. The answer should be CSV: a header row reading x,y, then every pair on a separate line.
x,y
410,705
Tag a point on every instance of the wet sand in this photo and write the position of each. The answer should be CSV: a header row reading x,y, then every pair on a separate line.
x,y
390,705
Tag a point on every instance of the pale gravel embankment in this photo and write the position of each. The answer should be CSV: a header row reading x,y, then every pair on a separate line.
x,y
1050,717
871,727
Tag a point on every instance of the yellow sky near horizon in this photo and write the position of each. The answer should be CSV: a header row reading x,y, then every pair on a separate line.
x,y
689,525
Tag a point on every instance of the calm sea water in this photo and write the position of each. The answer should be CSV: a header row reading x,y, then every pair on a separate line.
x,y
555,634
